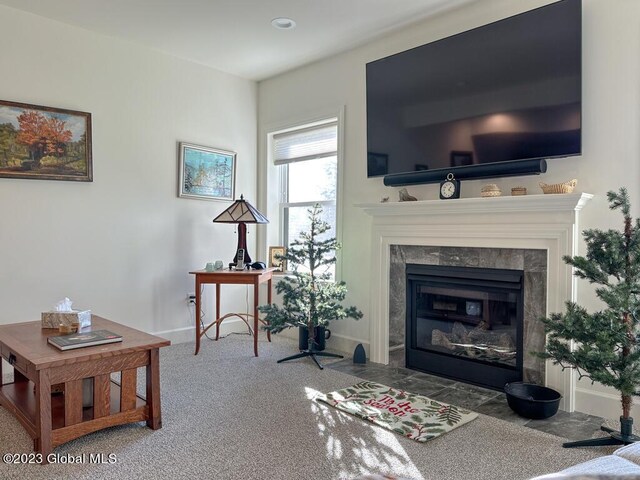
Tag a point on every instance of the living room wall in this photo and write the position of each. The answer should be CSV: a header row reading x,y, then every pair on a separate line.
x,y
122,245
611,146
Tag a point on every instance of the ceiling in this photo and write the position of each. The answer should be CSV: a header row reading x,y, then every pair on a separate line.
x,y
236,36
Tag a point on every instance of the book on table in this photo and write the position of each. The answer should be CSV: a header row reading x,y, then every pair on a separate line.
x,y
84,339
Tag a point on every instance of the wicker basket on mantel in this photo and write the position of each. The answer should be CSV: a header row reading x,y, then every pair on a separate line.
x,y
566,187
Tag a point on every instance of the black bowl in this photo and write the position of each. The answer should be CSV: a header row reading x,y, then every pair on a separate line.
x,y
532,401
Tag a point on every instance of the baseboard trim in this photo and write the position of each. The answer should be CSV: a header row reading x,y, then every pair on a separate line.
x,y
346,345
342,344
601,404
187,334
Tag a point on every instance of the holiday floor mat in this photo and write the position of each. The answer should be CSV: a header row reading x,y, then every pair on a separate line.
x,y
410,415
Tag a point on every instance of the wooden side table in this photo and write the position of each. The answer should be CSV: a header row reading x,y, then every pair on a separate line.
x,y
54,419
232,277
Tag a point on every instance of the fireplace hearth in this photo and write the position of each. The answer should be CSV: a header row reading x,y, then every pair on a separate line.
x,y
465,323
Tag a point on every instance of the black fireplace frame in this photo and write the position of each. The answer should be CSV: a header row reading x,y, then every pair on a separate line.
x,y
490,375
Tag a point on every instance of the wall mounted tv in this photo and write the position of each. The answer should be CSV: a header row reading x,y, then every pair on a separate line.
x,y
493,101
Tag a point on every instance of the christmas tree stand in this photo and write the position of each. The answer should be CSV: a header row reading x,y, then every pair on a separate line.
x,y
313,354
624,437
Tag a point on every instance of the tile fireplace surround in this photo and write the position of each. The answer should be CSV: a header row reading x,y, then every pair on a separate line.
x,y
513,230
532,262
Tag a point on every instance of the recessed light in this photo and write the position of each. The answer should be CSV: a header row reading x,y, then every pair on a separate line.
x,y
283,23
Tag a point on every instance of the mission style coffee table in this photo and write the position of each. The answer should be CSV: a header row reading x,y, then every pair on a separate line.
x,y
52,419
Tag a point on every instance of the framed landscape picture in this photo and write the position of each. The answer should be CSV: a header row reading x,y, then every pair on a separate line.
x,y
44,143
206,173
274,258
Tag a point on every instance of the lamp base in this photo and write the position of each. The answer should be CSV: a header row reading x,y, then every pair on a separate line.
x,y
242,244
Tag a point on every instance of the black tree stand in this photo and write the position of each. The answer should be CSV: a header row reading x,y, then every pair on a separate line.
x,y
624,437
311,352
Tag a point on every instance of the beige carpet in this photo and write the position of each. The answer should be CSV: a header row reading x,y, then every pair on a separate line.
x,y
228,415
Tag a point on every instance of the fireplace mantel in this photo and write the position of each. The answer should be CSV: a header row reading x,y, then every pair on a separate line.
x,y
506,204
544,222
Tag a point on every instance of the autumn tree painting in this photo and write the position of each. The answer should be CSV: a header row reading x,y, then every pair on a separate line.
x,y
44,142
42,136
7,140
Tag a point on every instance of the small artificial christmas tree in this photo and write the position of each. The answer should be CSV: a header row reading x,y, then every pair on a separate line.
x,y
309,296
606,344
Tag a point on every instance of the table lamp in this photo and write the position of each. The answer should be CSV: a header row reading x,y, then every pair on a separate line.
x,y
241,212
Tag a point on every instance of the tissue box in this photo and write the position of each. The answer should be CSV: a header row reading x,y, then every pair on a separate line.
x,y
55,319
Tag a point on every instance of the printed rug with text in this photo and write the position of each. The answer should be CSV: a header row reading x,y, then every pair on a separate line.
x,y
410,415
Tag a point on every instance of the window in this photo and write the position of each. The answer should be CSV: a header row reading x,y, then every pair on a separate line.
x,y
307,157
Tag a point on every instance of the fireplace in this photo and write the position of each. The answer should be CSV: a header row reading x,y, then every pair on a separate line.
x,y
530,233
465,323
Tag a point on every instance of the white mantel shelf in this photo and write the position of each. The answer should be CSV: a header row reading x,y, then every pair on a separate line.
x,y
569,202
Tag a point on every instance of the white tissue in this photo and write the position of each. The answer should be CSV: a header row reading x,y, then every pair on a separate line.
x,y
63,306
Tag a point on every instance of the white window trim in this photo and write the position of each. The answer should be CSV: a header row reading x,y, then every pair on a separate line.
x,y
265,162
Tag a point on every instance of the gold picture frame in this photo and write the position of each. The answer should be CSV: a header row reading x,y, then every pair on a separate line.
x,y
280,264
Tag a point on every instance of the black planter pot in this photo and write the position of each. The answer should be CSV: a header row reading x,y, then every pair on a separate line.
x,y
321,334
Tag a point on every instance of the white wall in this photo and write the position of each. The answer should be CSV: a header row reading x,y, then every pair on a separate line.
x,y
611,122
124,244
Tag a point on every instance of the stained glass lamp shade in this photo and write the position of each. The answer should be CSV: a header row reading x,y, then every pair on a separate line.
x,y
241,212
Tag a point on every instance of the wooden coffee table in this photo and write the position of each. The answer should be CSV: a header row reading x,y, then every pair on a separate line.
x,y
52,419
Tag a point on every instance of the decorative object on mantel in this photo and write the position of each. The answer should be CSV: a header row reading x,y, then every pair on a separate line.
x,y
490,190
384,200
522,204
606,346
309,297
449,188
405,197
515,191
566,187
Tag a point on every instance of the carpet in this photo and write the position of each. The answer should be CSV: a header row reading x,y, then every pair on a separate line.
x,y
413,416
228,415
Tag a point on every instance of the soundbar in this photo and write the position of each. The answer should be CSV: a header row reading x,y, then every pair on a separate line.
x,y
510,168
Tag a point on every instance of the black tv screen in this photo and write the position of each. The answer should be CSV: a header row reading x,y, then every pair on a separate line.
x,y
510,90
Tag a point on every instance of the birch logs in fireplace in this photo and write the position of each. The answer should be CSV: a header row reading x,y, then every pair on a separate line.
x,y
476,343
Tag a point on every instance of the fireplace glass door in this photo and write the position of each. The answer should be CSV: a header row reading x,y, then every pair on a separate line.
x,y
465,323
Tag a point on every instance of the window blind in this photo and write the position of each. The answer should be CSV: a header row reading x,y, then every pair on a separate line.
x,y
309,143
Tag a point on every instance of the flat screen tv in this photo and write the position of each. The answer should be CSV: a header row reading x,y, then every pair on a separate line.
x,y
484,102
